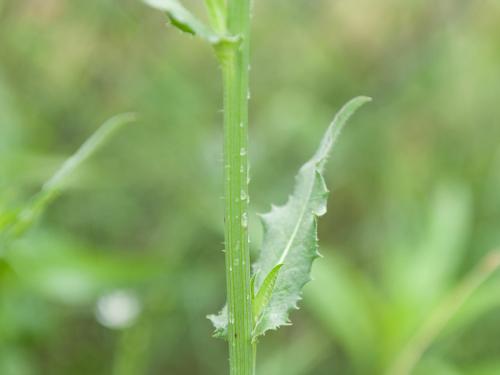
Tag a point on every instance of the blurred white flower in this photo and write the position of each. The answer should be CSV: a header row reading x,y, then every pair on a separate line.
x,y
118,309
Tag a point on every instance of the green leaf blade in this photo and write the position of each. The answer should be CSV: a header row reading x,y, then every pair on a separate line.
x,y
261,300
52,188
290,231
184,20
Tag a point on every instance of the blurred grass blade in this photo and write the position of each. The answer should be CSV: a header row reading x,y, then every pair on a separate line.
x,y
184,20
486,367
299,356
442,252
486,299
67,271
437,366
445,311
54,185
6,219
343,301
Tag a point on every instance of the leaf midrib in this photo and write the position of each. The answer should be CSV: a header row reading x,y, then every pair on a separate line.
x,y
297,226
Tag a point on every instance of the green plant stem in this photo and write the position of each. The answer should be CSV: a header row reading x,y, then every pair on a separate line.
x,y
235,66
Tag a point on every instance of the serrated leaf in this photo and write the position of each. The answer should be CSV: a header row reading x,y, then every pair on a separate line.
x,y
184,20
55,184
290,231
290,236
261,300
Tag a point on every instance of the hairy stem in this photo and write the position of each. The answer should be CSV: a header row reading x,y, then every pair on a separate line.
x,y
235,66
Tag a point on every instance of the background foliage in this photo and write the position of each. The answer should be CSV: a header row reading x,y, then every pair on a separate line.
x,y
415,181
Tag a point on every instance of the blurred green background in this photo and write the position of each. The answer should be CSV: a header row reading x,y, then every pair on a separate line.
x,y
119,274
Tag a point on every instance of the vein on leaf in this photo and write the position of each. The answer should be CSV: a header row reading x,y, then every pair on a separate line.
x,y
297,226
